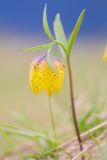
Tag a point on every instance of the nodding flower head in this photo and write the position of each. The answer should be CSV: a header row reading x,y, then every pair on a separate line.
x,y
42,77
105,55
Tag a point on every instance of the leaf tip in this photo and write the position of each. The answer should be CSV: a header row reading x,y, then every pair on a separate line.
x,y
57,17
45,8
44,11
83,12
45,23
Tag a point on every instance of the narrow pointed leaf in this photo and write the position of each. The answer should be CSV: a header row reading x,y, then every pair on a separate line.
x,y
45,24
75,32
36,48
59,32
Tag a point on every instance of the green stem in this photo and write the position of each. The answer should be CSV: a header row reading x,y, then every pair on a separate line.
x,y
53,126
73,107
52,121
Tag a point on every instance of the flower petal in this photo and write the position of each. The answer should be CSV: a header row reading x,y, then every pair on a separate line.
x,y
59,76
49,79
36,77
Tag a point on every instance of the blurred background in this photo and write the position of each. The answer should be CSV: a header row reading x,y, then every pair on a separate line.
x,y
21,27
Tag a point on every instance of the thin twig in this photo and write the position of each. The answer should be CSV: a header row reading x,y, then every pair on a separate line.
x,y
85,135
81,153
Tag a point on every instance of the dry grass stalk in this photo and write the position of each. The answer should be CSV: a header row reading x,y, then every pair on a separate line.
x,y
86,135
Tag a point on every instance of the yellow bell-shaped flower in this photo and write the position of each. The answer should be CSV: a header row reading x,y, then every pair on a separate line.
x,y
42,77
105,54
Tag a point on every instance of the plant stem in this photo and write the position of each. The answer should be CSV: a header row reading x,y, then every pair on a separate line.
x,y
53,126
52,120
73,106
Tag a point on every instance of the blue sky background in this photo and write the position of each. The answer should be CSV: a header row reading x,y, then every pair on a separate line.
x,y
25,16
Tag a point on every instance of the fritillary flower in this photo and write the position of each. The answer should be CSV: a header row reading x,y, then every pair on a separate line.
x,y
42,77
105,55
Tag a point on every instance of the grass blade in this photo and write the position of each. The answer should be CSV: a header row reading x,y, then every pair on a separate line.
x,y
22,132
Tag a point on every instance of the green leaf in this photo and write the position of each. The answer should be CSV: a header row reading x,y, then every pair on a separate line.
x,y
59,32
36,48
75,32
45,24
